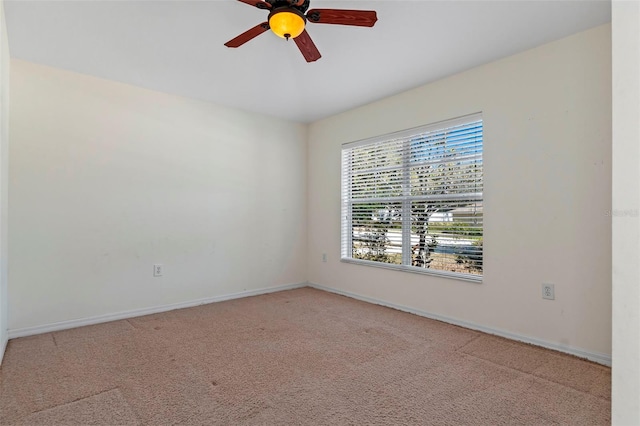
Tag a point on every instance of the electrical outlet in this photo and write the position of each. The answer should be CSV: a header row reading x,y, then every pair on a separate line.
x,y
157,270
324,257
548,291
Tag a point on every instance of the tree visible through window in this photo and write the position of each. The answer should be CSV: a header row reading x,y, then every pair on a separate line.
x,y
414,199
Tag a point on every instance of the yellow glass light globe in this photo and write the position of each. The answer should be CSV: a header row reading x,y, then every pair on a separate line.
x,y
286,24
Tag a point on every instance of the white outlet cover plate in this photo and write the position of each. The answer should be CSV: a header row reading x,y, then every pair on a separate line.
x,y
548,291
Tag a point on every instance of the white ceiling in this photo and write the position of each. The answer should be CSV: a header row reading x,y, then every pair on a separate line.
x,y
177,46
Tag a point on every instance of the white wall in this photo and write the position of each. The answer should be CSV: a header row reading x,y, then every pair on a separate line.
x,y
547,162
4,174
626,209
108,179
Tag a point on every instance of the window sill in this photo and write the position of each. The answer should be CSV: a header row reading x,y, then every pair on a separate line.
x,y
443,274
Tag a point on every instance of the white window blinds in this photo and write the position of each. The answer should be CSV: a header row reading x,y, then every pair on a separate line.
x,y
413,200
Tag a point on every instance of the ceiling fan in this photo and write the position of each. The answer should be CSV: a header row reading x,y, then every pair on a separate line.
x,y
287,19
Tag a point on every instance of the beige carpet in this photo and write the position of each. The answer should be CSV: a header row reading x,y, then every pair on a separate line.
x,y
299,357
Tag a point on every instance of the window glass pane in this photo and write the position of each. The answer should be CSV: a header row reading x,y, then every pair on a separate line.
x,y
378,184
447,236
377,232
384,154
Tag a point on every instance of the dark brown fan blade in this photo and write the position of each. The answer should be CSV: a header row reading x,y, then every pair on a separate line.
x,y
257,3
248,35
307,47
361,18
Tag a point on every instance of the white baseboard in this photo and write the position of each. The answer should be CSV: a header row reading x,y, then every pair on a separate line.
x,y
64,325
3,348
591,356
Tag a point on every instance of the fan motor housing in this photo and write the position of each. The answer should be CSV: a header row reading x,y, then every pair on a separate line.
x,y
290,4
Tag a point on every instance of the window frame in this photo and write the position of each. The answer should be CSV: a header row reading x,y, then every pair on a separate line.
x,y
406,199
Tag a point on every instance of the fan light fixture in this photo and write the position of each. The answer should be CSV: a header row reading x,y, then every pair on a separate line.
x,y
286,23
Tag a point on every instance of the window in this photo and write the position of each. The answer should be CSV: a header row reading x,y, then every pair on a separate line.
x,y
413,200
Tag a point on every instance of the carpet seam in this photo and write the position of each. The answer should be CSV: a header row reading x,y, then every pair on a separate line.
x,y
67,403
536,376
460,349
131,324
138,421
